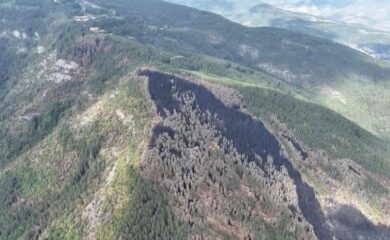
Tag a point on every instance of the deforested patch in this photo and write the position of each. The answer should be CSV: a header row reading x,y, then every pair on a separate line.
x,y
86,47
222,167
52,69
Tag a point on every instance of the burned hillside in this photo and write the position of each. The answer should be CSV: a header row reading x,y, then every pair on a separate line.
x,y
224,168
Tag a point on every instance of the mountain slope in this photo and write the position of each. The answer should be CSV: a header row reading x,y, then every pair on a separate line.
x,y
332,71
96,146
357,36
310,18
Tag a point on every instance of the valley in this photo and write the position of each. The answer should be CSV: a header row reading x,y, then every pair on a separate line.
x,y
310,17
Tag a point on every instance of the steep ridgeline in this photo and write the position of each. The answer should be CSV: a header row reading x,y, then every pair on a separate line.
x,y
195,124
294,57
341,78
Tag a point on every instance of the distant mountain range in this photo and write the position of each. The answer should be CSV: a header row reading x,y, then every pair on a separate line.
x,y
375,13
352,23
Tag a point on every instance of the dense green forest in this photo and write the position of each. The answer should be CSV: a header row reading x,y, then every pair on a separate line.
x,y
150,216
321,128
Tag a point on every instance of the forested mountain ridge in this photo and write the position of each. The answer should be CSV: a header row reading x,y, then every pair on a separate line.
x,y
201,144
343,79
341,27
332,68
